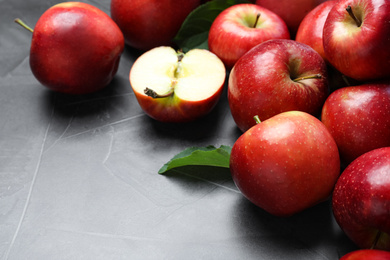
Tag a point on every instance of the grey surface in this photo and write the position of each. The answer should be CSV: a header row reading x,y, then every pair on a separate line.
x,y
78,176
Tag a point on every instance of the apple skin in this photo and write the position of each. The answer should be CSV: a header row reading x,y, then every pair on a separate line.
x,y
260,83
361,53
358,117
150,23
291,13
361,200
232,33
310,30
286,163
178,111
196,64
367,254
75,48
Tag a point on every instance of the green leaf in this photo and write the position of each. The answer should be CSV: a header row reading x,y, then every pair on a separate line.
x,y
195,28
200,156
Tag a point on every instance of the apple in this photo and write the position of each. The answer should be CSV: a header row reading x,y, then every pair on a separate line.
x,y
240,27
150,23
367,254
276,76
75,48
172,86
311,28
358,117
286,163
292,12
361,200
310,32
356,38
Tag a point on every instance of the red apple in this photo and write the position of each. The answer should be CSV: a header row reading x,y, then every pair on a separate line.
x,y
367,254
75,48
172,86
310,32
150,23
240,27
356,38
292,12
361,200
286,163
274,77
311,28
358,117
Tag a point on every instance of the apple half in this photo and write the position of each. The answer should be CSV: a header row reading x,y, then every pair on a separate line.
x,y
172,86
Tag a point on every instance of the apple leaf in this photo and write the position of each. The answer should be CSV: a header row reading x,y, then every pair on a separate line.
x,y
200,156
195,28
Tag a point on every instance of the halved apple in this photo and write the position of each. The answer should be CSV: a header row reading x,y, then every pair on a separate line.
x,y
172,86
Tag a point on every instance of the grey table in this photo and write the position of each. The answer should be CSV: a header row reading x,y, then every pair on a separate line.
x,y
78,175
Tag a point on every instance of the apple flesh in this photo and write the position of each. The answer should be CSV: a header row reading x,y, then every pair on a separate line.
x,y
367,254
276,76
286,163
356,38
358,117
361,200
171,86
240,27
75,48
291,12
150,23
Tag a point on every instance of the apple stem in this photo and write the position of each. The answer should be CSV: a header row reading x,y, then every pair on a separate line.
x,y
315,76
345,79
25,26
378,235
257,20
151,93
350,12
257,119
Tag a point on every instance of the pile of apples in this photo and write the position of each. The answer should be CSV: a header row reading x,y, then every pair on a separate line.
x,y
308,86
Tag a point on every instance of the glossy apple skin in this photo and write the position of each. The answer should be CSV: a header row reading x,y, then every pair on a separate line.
x,y
232,34
260,82
173,110
367,254
286,164
361,53
361,199
75,48
150,23
310,30
358,117
291,12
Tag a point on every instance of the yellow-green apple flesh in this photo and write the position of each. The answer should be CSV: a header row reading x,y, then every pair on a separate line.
x,y
356,38
292,12
75,48
367,254
286,164
361,200
172,86
358,117
276,76
150,23
240,27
